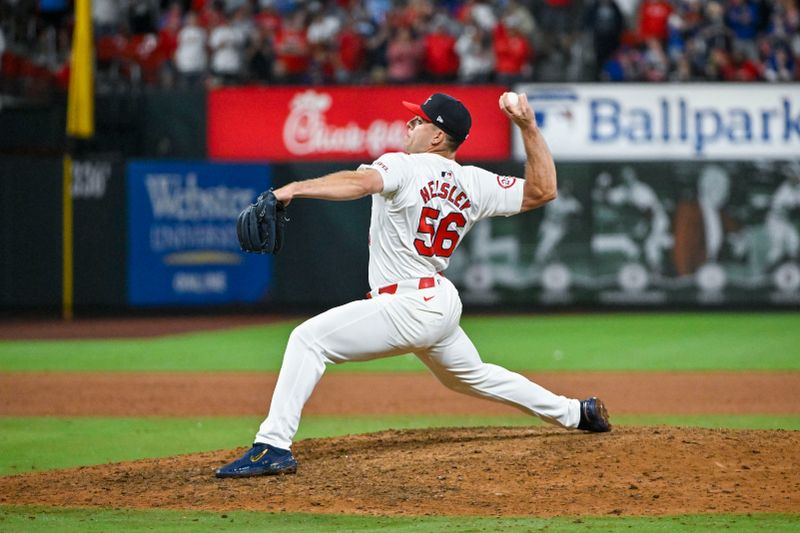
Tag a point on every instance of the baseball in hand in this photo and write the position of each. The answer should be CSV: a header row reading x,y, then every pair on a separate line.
x,y
512,99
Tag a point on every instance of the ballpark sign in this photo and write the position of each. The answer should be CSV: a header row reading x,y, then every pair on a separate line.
x,y
339,123
666,121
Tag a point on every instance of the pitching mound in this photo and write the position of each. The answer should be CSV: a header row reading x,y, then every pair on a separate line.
x,y
477,471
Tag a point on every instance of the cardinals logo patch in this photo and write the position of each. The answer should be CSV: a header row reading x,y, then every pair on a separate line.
x,y
506,181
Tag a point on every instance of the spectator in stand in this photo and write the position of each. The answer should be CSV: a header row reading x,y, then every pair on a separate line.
x,y
716,64
629,8
322,35
243,21
695,54
142,16
168,27
475,55
52,12
377,39
715,34
351,54
404,54
518,15
320,67
477,12
740,68
613,69
171,17
441,61
522,17
784,26
742,17
605,21
292,51
212,14
653,18
260,57
232,6
106,17
323,28
655,62
227,43
378,9
191,57
51,50
268,19
557,25
682,71
624,65
693,16
417,14
513,54
780,66
556,15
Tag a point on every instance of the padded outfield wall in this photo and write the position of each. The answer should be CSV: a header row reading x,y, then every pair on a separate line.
x,y
667,197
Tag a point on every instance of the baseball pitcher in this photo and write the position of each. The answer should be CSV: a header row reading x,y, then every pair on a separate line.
x,y
423,203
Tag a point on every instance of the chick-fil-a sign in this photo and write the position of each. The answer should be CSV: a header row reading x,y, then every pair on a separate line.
x,y
340,123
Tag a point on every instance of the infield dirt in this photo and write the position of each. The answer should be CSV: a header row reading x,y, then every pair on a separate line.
x,y
483,471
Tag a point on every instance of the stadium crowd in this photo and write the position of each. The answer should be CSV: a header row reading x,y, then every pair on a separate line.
x,y
169,42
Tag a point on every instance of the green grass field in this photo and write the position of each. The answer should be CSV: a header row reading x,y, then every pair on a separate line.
x,y
80,521
701,341
647,342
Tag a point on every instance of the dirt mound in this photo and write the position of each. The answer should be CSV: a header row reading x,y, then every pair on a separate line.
x,y
477,471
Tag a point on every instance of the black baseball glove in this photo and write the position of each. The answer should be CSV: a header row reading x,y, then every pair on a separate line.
x,y
261,225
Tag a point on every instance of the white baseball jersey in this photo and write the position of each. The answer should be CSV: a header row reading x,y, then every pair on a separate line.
x,y
427,205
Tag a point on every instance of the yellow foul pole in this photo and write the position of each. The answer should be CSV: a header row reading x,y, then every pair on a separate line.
x,y
80,104
80,125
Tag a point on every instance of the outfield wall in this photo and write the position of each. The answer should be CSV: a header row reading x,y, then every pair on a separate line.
x,y
156,193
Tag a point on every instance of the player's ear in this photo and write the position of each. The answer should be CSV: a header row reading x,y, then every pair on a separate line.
x,y
438,138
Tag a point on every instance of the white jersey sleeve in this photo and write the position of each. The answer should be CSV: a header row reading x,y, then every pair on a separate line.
x,y
496,195
394,168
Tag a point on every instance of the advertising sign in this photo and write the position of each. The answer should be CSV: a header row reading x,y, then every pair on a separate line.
x,y
666,121
645,234
182,233
339,123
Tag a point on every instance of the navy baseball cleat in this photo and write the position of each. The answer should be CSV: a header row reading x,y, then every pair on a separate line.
x,y
260,460
594,416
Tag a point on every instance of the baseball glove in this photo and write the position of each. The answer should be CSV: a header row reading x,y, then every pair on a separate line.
x,y
260,227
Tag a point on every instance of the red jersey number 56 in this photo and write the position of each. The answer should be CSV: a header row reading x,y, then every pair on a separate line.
x,y
439,238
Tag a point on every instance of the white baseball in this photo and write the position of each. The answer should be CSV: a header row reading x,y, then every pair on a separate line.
x,y
512,99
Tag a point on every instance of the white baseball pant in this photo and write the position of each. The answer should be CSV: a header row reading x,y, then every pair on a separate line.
x,y
422,321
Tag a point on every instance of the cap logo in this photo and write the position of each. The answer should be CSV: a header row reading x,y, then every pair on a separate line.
x,y
440,119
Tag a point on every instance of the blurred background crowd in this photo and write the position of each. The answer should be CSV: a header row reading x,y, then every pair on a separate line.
x,y
142,43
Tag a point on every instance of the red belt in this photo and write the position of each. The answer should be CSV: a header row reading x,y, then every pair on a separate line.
x,y
424,283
